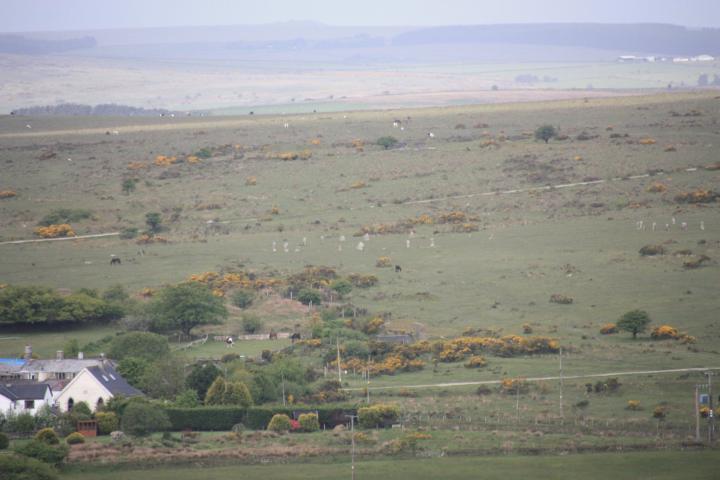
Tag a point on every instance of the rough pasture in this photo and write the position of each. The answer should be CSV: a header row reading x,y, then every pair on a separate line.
x,y
500,276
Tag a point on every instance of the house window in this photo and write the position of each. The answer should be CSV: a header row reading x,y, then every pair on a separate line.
x,y
100,403
71,402
29,404
60,375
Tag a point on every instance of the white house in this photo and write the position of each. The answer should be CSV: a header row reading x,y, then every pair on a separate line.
x,y
60,368
24,397
95,386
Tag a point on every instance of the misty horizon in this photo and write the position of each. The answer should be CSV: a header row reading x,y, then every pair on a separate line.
x,y
82,15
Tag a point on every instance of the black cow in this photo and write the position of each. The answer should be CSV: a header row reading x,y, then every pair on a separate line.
x,y
115,261
294,337
398,269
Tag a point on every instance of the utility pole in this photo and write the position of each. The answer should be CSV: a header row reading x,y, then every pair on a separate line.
x,y
337,343
711,414
562,409
352,451
367,388
697,413
282,375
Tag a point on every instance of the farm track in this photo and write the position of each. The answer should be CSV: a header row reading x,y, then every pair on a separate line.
x,y
79,237
536,379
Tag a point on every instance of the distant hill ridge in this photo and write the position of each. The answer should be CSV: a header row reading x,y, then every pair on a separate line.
x,y
640,38
19,44
76,109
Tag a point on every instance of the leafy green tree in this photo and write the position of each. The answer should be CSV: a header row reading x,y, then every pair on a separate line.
x,y
306,296
164,378
153,220
128,185
185,306
188,398
387,142
341,286
107,422
71,348
82,411
635,321
243,298
141,418
145,345
545,133
222,392
201,377
133,370
251,323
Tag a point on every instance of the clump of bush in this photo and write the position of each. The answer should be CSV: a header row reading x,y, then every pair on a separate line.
x,y
383,262
48,436
4,441
309,422
75,438
696,262
21,468
7,194
380,415
608,329
697,196
657,187
633,405
664,332
280,423
107,422
561,299
652,250
55,231
387,142
476,361
514,386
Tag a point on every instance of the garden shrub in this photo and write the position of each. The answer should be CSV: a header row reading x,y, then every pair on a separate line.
x,y
379,415
309,422
52,454
4,441
18,467
82,411
75,438
19,423
279,423
141,418
47,435
107,422
383,262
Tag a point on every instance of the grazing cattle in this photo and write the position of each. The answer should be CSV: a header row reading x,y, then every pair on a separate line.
x,y
294,337
273,335
115,261
398,268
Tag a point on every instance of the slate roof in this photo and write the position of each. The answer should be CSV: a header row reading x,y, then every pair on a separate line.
x,y
69,365
113,381
24,391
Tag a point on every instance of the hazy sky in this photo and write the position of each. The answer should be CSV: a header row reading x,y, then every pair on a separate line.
x,y
34,15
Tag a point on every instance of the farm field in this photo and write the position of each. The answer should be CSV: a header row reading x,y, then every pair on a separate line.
x,y
647,465
270,195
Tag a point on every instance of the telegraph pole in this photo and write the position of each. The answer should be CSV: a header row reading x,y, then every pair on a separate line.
x,y
337,343
352,451
711,414
367,388
562,409
697,413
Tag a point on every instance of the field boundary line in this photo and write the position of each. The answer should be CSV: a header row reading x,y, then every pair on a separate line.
x,y
79,237
536,379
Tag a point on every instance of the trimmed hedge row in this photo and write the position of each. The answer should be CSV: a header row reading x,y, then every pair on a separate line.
x,y
222,418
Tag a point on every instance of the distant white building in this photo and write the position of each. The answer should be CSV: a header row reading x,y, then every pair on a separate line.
x,y
26,397
703,58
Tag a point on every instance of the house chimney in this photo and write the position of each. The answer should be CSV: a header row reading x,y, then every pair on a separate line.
x,y
80,355
28,352
59,355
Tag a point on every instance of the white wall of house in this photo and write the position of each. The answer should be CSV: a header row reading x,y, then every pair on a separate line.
x,y
83,388
26,406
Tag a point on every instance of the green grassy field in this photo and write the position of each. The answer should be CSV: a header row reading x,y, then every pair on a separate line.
x,y
579,241
656,466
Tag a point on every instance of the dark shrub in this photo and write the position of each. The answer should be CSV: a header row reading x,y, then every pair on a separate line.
x,y
17,467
